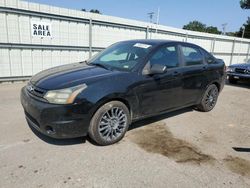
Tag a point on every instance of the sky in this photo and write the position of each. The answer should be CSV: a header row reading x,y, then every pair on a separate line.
x,y
174,13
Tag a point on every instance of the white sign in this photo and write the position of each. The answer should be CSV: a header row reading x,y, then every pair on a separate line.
x,y
140,45
41,29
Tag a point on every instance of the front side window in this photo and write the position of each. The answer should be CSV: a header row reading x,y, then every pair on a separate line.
x,y
167,55
122,56
192,56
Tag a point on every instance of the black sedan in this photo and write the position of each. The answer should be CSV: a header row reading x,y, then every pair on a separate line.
x,y
238,72
126,82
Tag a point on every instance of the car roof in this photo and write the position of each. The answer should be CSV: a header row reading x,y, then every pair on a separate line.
x,y
159,41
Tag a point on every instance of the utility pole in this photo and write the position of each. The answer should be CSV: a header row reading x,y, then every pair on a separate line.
x,y
242,36
157,19
224,28
151,15
243,32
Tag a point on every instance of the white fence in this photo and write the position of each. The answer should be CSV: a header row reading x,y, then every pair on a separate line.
x,y
76,35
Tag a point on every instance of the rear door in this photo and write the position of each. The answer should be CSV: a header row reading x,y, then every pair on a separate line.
x,y
216,68
194,74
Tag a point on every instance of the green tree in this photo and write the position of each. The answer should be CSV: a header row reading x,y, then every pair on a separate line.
x,y
195,26
212,29
247,29
92,10
95,11
245,4
231,34
198,26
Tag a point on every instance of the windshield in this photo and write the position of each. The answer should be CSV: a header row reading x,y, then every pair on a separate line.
x,y
122,56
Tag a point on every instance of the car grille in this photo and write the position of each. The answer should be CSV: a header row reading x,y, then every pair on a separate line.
x,y
34,91
242,71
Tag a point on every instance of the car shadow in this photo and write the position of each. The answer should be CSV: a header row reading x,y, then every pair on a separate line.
x,y
134,125
239,149
242,84
59,142
146,121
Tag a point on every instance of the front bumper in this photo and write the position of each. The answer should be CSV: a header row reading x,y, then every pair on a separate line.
x,y
239,76
57,121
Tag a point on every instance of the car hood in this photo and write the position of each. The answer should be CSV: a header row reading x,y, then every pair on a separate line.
x,y
243,65
68,76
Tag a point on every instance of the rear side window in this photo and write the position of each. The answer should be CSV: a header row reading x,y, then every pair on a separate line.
x,y
192,56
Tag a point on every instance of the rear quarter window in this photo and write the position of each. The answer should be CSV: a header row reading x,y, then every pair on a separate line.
x,y
209,58
192,56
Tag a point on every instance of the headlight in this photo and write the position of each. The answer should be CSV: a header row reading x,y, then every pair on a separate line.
x,y
64,96
230,69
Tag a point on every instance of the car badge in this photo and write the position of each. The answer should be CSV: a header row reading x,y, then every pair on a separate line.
x,y
30,88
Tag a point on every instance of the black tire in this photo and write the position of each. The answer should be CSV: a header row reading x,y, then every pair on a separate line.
x,y
209,99
109,123
232,80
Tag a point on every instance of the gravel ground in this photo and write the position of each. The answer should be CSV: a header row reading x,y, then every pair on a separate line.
x,y
186,148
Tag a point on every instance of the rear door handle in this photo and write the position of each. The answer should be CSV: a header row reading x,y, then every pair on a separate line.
x,y
176,73
204,68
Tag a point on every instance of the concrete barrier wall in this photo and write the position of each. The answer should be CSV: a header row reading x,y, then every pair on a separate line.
x,y
77,35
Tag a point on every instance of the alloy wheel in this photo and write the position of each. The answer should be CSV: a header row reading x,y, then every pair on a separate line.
x,y
211,98
112,124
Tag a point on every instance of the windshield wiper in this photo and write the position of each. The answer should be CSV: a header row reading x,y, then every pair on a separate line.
x,y
84,62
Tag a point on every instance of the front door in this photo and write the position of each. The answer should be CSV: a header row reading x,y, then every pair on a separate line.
x,y
161,92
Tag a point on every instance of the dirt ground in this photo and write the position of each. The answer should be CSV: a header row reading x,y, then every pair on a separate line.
x,y
185,148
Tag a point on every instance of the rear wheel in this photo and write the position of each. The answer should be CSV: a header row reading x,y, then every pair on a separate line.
x,y
232,80
110,123
209,98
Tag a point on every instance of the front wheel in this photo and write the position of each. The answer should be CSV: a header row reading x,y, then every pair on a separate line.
x,y
110,123
209,99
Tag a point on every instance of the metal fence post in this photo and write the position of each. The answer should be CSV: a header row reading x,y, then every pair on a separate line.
x,y
232,53
213,45
21,61
147,32
10,62
248,51
186,37
90,37
32,62
150,31
7,33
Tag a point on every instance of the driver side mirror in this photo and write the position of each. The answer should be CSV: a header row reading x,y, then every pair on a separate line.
x,y
157,69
